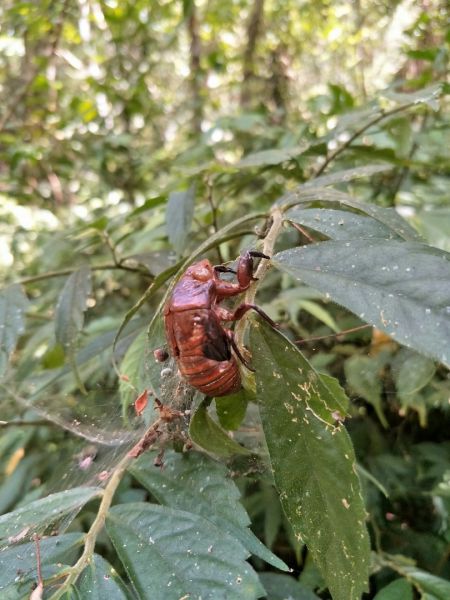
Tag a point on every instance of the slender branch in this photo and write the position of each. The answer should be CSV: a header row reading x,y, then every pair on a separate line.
x,y
382,115
107,497
22,423
63,272
332,335
264,266
215,224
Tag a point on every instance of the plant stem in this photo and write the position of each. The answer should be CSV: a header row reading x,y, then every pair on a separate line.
x,y
269,245
107,497
63,272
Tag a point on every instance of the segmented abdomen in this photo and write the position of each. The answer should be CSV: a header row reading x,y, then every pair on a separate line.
x,y
203,352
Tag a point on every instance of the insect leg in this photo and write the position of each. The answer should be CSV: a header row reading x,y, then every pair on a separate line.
x,y
230,336
243,308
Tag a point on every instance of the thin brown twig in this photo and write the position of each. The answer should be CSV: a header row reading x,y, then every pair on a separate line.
x,y
383,114
332,335
63,272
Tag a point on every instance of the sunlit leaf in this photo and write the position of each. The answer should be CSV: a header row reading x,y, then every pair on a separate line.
x,y
313,464
13,304
402,288
173,553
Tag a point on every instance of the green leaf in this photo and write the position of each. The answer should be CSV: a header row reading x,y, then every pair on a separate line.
x,y
18,564
13,304
340,224
71,307
197,484
387,217
42,513
411,373
400,589
210,436
403,288
331,179
426,582
274,156
99,581
169,554
179,213
132,370
363,374
231,409
313,464
285,587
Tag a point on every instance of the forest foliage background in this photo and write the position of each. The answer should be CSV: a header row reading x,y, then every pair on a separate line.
x,y
136,135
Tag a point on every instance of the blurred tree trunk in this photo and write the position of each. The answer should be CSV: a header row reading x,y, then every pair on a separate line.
x,y
196,76
254,28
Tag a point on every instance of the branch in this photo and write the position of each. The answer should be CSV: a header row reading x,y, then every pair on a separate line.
x,y
107,497
63,272
382,115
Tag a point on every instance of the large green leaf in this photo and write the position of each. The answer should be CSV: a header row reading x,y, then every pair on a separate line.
x,y
403,288
13,304
169,554
426,582
18,564
340,224
99,581
313,464
71,307
42,513
198,484
179,213
387,217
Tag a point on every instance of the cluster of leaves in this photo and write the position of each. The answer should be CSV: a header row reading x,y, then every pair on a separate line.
x,y
320,477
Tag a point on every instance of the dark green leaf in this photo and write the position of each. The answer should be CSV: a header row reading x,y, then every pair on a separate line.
x,y
99,581
400,589
179,213
313,464
41,513
71,306
403,288
13,304
285,587
340,224
170,553
18,564
387,217
197,484
210,436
